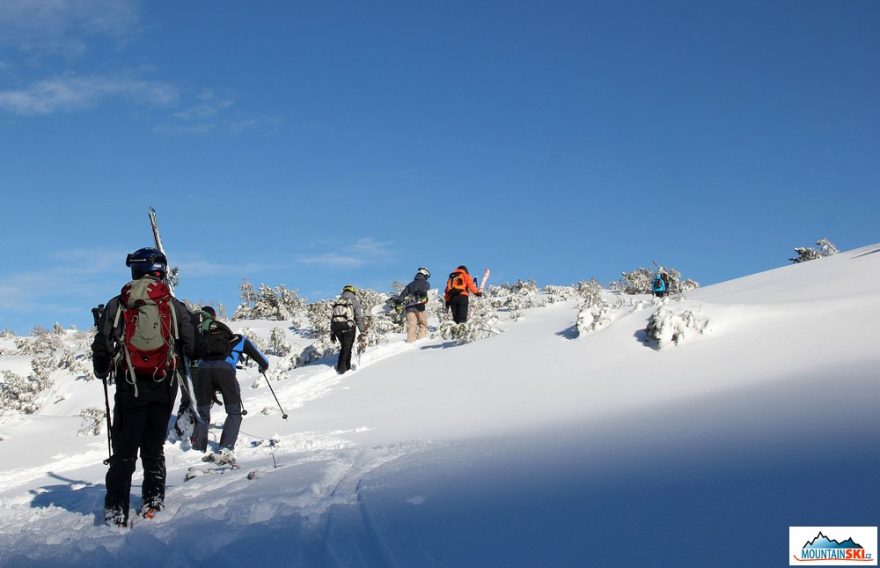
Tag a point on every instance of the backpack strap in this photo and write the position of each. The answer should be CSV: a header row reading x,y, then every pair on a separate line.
x,y
131,378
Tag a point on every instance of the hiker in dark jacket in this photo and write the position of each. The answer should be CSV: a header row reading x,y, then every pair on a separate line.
x,y
414,298
144,398
459,287
346,321
221,353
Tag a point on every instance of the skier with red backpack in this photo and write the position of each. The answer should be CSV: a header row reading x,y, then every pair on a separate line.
x,y
459,287
141,336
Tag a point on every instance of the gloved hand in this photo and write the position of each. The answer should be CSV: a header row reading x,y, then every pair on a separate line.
x,y
264,369
332,338
478,294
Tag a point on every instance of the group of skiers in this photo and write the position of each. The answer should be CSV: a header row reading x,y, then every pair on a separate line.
x,y
151,345
145,339
347,319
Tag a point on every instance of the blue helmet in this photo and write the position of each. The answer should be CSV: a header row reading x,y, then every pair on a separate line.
x,y
146,261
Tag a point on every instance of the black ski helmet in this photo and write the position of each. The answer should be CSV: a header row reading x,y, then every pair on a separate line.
x,y
146,261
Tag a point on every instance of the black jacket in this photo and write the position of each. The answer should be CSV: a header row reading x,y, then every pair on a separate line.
x,y
415,295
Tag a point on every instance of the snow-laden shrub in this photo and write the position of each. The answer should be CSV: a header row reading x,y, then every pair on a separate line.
x,y
640,281
278,344
482,322
92,421
556,294
594,311
23,394
591,319
319,318
826,248
667,327
319,350
515,298
279,303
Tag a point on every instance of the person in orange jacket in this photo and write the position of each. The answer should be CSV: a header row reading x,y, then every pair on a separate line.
x,y
458,289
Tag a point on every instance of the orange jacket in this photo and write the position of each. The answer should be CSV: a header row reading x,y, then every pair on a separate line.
x,y
462,281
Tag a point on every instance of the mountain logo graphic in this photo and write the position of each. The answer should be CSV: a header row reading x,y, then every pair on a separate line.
x,y
822,548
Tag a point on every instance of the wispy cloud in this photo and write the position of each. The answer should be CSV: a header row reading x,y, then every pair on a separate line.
x,y
362,252
71,274
64,26
71,93
211,111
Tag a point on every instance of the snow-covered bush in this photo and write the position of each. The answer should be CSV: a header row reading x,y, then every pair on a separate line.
x,y
20,394
92,421
278,343
667,327
481,324
594,311
319,318
515,298
279,303
826,248
556,294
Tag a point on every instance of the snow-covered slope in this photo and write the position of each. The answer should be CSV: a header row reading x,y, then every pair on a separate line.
x,y
531,448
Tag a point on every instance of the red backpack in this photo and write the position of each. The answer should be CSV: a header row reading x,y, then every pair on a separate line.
x,y
150,328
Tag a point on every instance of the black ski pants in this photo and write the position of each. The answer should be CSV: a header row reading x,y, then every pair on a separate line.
x,y
139,425
459,306
346,342
213,377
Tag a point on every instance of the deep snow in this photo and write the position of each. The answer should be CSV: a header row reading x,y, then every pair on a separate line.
x,y
531,448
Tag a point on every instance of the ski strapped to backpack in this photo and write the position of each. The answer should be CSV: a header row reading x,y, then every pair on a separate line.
x,y
184,378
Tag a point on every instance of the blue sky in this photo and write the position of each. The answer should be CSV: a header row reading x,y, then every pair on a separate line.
x,y
321,143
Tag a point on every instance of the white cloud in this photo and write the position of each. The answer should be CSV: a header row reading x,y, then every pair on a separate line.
x,y
71,93
64,26
364,251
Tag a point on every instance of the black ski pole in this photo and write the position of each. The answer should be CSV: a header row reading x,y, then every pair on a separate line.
x,y
109,424
283,414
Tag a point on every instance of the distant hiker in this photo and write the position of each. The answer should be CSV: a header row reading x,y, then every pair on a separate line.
x,y
135,343
459,287
221,352
346,320
660,286
413,298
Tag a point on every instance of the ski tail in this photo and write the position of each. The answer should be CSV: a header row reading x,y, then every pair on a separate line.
x,y
483,280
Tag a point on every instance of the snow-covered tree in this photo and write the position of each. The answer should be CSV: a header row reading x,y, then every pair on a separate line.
x,y
826,248
278,343
667,327
92,421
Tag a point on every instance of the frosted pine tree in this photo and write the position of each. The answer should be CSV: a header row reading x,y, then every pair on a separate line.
x,y
248,298
826,248
594,311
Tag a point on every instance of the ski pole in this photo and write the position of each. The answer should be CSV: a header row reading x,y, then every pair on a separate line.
x,y
283,414
109,425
